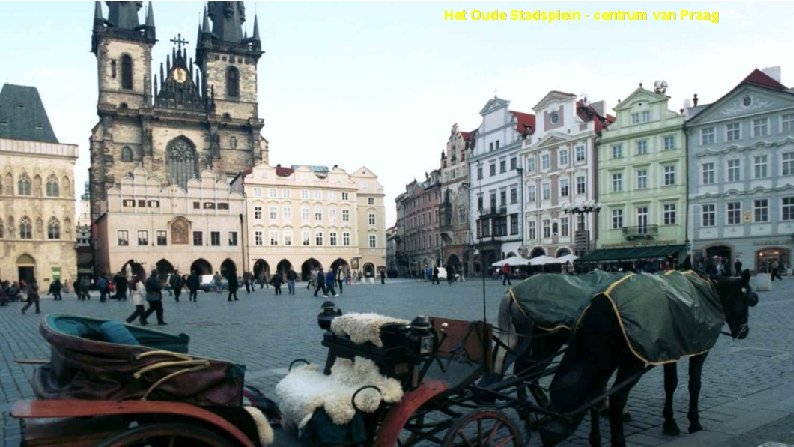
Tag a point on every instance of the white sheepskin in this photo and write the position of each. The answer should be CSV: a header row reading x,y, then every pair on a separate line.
x,y
262,425
306,389
363,327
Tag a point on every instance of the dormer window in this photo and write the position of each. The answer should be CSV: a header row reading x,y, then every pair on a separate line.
x,y
555,117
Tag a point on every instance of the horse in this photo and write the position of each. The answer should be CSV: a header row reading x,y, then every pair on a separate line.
x,y
598,347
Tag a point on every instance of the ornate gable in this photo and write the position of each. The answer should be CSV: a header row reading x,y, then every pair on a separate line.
x,y
745,100
552,97
640,95
494,104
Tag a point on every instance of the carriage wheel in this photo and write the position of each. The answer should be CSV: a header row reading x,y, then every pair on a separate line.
x,y
483,428
171,435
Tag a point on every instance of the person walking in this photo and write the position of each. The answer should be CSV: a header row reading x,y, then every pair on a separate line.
x,y
192,286
737,267
232,279
137,292
291,278
506,274
102,284
154,296
329,282
276,282
340,280
85,286
32,290
216,280
247,282
775,271
176,285
383,276
435,276
312,279
56,290
320,281
121,287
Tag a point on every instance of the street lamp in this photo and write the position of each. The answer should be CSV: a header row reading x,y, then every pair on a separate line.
x,y
582,235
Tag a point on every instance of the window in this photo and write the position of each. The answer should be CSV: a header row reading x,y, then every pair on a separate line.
x,y
287,237
760,166
642,178
479,203
318,238
345,215
305,214
198,238
257,192
371,218
273,213
642,147
761,210
479,172
273,237
513,165
642,219
53,229
635,118
546,188
215,238
531,230
707,216
514,224
563,157
617,219
734,213
345,196
500,226
370,200
668,213
126,72
760,127
502,166
645,116
305,238
580,155
617,182
318,214
732,132
123,237
232,81
273,192
52,186
332,238
331,214
546,228
544,162
126,153
304,194
143,237
232,238
707,173
373,240
23,185
233,142
669,175
258,238
531,164
513,195
787,163
669,142
564,226
258,212
288,213
787,123
734,170
617,151
787,208
492,201
502,198
492,169
581,186
706,136
346,239
531,193
162,237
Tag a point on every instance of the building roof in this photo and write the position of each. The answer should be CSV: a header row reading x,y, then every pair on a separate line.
x,y
284,172
22,115
587,112
759,78
525,122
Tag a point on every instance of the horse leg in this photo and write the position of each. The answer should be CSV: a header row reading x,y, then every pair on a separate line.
x,y
670,384
695,373
618,399
595,429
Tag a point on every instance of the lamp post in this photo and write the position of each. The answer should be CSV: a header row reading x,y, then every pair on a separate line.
x,y
582,235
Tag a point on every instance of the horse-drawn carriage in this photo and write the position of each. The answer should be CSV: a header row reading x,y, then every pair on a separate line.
x,y
385,381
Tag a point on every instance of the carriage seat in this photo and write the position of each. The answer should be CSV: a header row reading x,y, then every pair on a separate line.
x,y
363,328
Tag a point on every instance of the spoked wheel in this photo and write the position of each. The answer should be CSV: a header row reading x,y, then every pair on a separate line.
x,y
166,435
483,428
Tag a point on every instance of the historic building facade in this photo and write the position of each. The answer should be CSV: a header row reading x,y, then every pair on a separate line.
x,y
559,159
642,181
307,216
741,173
198,228
457,244
420,203
37,209
201,115
495,182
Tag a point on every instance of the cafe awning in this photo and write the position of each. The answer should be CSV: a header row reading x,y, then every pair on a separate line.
x,y
631,253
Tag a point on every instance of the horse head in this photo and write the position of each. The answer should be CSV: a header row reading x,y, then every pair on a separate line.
x,y
736,297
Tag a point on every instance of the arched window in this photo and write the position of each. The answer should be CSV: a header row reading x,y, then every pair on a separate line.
x,y
233,142
23,185
126,153
181,161
25,228
126,72
52,186
232,82
53,229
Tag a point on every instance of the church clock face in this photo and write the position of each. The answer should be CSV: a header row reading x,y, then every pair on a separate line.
x,y
180,75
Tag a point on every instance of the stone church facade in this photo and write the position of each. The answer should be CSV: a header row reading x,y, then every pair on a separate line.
x,y
187,117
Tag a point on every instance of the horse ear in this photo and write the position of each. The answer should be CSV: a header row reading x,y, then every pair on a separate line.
x,y
746,277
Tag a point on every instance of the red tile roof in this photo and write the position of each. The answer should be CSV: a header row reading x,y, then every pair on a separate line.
x,y
526,122
758,77
589,113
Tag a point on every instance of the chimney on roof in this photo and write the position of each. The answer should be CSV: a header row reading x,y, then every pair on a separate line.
x,y
772,72
278,165
695,100
336,166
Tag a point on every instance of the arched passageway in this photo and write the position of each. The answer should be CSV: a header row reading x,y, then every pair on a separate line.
x,y
201,266
307,266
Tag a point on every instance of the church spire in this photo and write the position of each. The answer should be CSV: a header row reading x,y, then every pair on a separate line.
x,y
256,28
149,29
124,15
98,12
205,28
227,20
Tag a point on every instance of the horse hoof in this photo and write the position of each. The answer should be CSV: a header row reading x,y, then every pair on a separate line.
x,y
671,429
695,428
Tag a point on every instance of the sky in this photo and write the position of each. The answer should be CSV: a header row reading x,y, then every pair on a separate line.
x,y
380,84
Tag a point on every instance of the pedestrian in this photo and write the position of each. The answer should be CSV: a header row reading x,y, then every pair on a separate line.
x,y
247,282
193,286
312,279
216,282
434,277
276,282
266,279
340,280
3,295
320,281
176,285
102,284
121,288
383,276
775,271
232,280
56,287
138,294
32,291
85,286
506,274
737,267
154,296
330,282
291,277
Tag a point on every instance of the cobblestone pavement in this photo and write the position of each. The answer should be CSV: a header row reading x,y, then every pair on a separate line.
x,y
748,388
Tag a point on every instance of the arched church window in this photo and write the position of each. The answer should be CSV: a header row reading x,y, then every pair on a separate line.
x,y
233,142
53,229
232,81
52,186
126,72
25,228
126,153
23,185
181,161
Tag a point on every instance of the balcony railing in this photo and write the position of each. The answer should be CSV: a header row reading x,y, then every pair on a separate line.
x,y
494,211
641,232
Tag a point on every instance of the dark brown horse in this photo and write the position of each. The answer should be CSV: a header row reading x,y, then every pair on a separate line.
x,y
598,348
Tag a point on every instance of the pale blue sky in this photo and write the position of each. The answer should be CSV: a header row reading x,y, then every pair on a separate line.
x,y
380,84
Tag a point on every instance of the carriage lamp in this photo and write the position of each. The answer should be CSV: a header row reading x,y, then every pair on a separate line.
x,y
329,312
420,338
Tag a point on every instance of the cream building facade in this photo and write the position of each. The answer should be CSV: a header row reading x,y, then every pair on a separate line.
x,y
169,228
37,208
307,216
